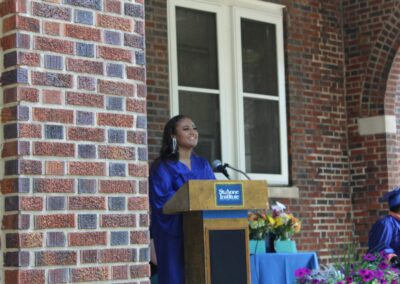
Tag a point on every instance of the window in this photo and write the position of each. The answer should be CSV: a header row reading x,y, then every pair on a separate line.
x,y
227,73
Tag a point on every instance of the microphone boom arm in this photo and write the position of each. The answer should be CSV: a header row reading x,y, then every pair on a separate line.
x,y
237,170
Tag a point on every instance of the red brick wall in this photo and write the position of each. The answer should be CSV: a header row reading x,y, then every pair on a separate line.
x,y
328,45
376,161
317,124
74,185
157,73
371,41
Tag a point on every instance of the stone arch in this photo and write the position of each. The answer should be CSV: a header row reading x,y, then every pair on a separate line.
x,y
379,65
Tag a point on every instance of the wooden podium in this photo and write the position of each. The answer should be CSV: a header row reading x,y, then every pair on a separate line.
x,y
216,230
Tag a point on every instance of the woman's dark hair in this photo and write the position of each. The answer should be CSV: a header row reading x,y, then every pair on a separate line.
x,y
166,144
395,209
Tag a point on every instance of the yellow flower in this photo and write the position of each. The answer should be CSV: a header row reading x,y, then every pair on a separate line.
x,y
271,220
278,222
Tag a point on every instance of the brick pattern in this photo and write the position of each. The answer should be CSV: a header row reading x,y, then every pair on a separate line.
x,y
336,70
70,103
382,53
371,46
317,128
370,51
157,72
376,157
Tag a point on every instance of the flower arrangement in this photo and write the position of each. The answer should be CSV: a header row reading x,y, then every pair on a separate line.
x,y
371,268
283,225
258,224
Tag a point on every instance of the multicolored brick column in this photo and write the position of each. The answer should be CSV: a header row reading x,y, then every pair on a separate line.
x,y
74,146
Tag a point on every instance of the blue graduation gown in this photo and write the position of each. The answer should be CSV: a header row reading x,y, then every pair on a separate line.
x,y
385,235
166,178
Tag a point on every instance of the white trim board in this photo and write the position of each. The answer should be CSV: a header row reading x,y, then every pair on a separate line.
x,y
382,124
283,192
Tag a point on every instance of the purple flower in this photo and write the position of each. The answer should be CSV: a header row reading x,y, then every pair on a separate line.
x,y
275,213
369,257
383,265
366,274
379,274
372,268
302,272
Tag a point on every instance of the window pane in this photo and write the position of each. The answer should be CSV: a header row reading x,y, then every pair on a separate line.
x,y
197,48
262,143
259,58
204,110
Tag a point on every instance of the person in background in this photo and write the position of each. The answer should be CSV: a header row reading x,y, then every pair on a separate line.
x,y
176,165
385,233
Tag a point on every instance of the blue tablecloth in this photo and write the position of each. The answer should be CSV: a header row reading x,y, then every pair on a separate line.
x,y
279,268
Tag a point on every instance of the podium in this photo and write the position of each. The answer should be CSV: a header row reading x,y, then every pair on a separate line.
x,y
216,230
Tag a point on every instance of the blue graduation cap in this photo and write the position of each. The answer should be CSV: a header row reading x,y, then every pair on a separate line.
x,y
392,197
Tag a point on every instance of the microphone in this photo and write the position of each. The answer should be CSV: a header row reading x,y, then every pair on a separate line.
x,y
219,167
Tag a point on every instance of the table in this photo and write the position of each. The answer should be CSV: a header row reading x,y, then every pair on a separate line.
x,y
279,268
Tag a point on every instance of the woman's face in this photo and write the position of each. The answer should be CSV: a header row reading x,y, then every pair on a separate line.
x,y
186,134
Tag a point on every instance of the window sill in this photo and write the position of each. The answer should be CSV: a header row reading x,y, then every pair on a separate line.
x,y
283,192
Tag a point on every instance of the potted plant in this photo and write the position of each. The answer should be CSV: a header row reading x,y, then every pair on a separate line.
x,y
272,231
371,268
283,225
258,227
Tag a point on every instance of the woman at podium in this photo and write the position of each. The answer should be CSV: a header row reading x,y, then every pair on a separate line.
x,y
176,165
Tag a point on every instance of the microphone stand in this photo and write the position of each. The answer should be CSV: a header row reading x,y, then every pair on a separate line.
x,y
237,170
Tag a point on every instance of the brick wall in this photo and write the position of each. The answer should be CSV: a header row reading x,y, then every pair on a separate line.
x,y
371,41
317,124
74,185
328,45
157,73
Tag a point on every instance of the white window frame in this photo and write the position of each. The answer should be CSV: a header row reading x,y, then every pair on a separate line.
x,y
230,91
